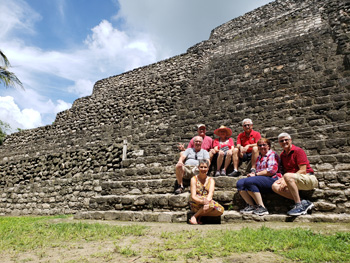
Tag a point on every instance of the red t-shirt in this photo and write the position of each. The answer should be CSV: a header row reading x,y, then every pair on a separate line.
x,y
253,138
227,145
293,159
206,144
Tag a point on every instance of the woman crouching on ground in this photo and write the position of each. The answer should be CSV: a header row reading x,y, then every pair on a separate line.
x,y
202,191
267,172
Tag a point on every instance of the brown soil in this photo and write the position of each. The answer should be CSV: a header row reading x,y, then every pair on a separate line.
x,y
106,251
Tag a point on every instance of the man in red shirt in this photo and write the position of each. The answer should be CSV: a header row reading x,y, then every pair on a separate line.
x,y
246,148
298,175
207,141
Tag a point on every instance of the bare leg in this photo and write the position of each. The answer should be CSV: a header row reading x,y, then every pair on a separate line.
x,y
255,154
228,159
247,198
219,161
195,219
257,197
235,158
278,189
179,169
292,187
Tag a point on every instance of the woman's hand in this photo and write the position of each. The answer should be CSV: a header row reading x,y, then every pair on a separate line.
x,y
282,186
205,207
250,174
205,201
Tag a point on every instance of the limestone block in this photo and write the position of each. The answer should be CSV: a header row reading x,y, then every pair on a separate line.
x,y
337,186
223,196
165,217
324,206
140,201
179,218
97,189
151,217
135,192
179,200
126,200
324,167
343,166
45,206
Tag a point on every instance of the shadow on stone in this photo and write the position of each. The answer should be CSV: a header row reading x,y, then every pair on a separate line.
x,y
206,220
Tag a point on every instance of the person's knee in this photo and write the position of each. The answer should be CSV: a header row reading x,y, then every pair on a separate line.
x,y
275,188
240,184
179,168
229,153
288,177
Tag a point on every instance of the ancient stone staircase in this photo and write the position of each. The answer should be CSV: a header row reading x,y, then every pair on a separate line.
x,y
284,65
143,190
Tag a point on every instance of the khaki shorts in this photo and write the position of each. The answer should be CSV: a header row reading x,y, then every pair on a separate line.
x,y
190,171
306,181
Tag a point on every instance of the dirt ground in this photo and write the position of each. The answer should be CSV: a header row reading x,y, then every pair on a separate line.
x,y
96,252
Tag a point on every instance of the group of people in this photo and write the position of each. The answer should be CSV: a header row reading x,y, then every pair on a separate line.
x,y
284,174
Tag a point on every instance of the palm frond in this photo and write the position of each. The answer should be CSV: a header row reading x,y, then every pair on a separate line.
x,y
9,79
4,60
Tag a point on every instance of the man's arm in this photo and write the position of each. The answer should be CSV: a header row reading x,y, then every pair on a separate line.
x,y
302,169
182,158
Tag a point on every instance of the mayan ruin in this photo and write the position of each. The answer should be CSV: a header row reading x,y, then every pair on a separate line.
x,y
285,65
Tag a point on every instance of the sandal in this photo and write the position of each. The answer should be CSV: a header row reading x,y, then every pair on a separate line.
x,y
179,190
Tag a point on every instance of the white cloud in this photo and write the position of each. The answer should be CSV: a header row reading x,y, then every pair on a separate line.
x,y
176,25
11,114
113,49
61,106
82,87
151,30
16,15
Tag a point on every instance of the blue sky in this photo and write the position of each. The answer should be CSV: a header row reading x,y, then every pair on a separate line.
x,y
60,48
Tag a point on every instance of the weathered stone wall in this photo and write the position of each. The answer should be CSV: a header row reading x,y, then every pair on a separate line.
x,y
284,65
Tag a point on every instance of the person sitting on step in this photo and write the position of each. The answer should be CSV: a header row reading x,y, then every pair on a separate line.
x,y
223,147
246,147
298,175
202,191
207,141
267,172
186,167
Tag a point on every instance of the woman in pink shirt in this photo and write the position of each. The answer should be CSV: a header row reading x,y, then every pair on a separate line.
x,y
223,147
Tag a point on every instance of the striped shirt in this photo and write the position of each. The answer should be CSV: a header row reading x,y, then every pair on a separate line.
x,y
270,162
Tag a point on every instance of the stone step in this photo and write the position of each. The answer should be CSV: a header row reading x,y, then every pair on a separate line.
x,y
153,202
227,217
230,199
141,172
149,161
159,186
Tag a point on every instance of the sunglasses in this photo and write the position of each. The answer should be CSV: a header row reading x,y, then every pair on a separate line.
x,y
284,140
262,145
246,125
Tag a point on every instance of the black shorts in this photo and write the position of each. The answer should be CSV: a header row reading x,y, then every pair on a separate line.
x,y
246,157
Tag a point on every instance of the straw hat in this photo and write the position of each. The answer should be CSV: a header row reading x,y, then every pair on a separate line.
x,y
223,128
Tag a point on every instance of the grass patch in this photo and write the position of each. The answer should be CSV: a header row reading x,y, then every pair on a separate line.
x,y
27,233
296,244
38,235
